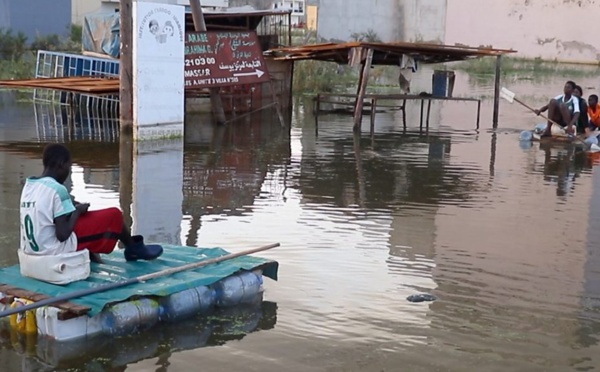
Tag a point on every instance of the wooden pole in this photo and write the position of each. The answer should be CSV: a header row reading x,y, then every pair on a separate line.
x,y
276,102
373,112
360,173
478,112
126,175
497,91
215,98
126,66
362,89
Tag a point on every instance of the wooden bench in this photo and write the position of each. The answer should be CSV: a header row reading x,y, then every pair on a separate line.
x,y
68,311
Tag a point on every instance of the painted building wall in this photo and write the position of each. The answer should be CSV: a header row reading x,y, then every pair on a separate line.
x,y
391,20
311,17
423,20
381,16
81,8
256,4
565,30
36,17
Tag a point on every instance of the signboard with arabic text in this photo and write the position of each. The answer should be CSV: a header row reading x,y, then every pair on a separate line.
x,y
216,59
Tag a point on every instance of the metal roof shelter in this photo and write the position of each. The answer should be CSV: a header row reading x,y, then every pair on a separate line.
x,y
367,54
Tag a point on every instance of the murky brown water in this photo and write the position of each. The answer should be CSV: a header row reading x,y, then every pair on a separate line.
x,y
506,236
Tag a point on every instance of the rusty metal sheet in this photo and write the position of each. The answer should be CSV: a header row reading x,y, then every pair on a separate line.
x,y
385,53
77,84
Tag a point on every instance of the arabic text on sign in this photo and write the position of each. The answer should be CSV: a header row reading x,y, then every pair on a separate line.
x,y
240,65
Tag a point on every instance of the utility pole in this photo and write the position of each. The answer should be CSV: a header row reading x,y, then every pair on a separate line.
x,y
126,66
200,26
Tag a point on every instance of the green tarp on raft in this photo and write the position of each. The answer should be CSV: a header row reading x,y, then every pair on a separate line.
x,y
116,269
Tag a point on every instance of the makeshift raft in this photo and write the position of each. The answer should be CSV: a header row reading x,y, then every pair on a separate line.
x,y
560,136
138,306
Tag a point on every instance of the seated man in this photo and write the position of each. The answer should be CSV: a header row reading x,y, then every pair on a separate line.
x,y
583,121
563,109
594,112
52,223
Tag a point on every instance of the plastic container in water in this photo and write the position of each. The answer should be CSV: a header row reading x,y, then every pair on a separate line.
x,y
130,317
541,127
526,135
238,289
186,303
136,315
443,83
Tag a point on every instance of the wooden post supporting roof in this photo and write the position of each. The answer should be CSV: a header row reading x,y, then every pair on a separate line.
x,y
215,98
497,91
126,66
362,87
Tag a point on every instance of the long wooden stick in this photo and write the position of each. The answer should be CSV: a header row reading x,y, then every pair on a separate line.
x,y
139,279
533,110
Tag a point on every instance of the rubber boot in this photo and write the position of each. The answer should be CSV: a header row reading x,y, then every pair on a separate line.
x,y
141,251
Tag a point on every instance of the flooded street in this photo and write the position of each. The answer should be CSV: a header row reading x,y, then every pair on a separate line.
x,y
503,233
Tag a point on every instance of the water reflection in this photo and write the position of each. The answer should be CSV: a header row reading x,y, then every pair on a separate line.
x,y
225,168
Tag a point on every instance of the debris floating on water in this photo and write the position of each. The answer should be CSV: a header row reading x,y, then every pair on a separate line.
x,y
421,297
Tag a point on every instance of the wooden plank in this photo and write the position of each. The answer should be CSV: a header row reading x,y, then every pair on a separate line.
x,y
7,299
69,309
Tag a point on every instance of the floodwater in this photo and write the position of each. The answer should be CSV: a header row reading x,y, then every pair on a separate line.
x,y
504,234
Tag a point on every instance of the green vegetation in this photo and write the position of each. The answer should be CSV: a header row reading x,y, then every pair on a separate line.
x,y
319,76
512,66
17,55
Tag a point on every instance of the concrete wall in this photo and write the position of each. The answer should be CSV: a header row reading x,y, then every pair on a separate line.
x,y
312,17
392,20
381,16
256,4
423,20
36,17
81,8
565,30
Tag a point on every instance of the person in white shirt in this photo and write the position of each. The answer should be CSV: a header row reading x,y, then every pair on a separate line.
x,y
562,109
52,223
